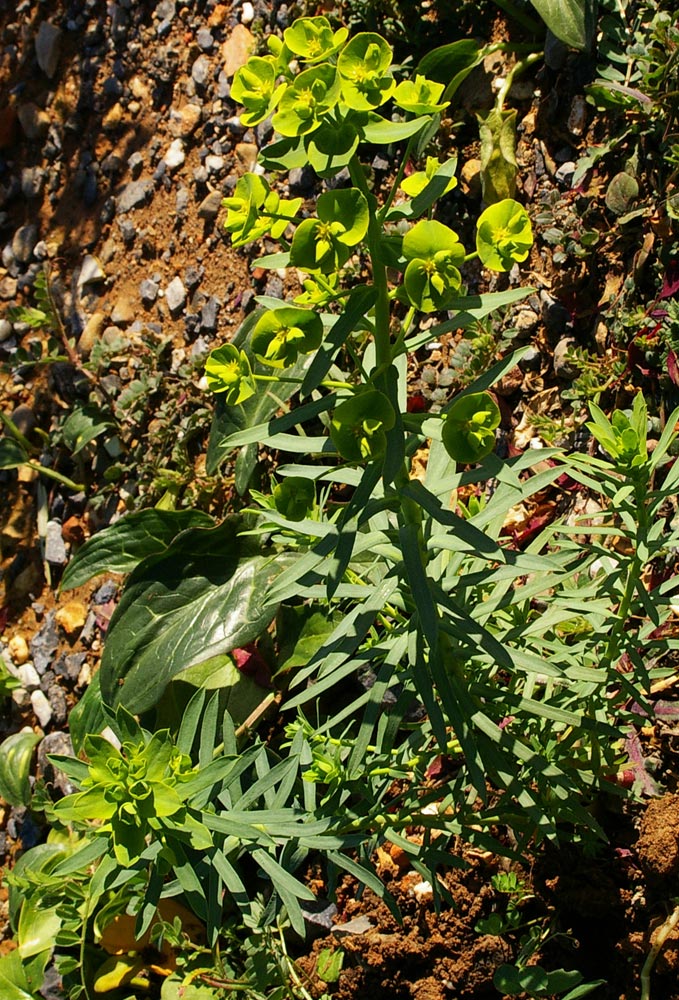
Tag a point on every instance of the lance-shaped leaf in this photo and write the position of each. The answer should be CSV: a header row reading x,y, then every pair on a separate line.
x,y
307,99
358,427
469,429
254,86
363,64
312,38
204,596
434,255
280,335
228,371
504,235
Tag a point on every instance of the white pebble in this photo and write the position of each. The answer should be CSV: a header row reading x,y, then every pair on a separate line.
x,y
175,155
28,675
41,707
248,13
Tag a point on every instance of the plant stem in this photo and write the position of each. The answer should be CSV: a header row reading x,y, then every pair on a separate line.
x,y
64,480
661,936
515,71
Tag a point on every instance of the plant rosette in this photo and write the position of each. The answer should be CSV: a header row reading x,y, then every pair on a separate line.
x,y
359,425
280,335
432,275
228,371
362,65
310,96
469,430
312,38
254,86
504,235
323,244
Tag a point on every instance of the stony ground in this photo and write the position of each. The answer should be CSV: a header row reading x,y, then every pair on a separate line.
x,y
118,141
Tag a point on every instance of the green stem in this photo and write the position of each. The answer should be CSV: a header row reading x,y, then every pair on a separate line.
x,y
398,178
64,480
379,273
515,71
326,383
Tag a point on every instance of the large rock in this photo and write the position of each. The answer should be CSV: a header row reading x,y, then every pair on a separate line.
x,y
48,48
237,49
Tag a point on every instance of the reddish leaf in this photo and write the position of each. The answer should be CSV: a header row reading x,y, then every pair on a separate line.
x,y
673,367
249,660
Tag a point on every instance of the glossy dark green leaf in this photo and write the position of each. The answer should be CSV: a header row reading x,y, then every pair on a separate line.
x,y
571,21
83,425
16,754
451,64
12,455
121,546
205,595
88,716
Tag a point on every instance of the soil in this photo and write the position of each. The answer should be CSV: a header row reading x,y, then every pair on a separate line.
x,y
128,82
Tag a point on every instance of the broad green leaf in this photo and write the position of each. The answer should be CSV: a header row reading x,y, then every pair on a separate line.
x,y
239,692
331,147
12,455
570,20
13,981
203,596
88,715
16,754
83,425
451,64
381,131
37,930
284,154
121,546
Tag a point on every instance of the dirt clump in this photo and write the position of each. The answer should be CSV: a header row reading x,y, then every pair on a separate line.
x,y
658,843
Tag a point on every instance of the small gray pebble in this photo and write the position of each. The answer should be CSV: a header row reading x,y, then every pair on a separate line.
x,y
205,39
133,195
210,205
563,368
148,292
200,71
55,549
175,295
